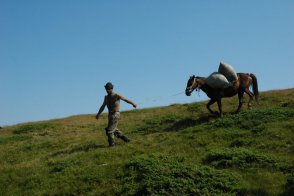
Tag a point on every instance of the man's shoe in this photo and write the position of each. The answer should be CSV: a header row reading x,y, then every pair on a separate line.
x,y
125,138
111,145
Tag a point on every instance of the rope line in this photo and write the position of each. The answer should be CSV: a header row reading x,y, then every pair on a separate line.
x,y
160,98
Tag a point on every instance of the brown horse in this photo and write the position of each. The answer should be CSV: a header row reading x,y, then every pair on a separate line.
x,y
239,87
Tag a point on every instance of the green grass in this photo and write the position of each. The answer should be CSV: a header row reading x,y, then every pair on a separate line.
x,y
160,174
174,150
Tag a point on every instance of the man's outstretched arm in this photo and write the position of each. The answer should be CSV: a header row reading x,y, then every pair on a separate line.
x,y
128,101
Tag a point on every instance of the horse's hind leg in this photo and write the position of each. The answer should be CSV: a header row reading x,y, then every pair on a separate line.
x,y
212,101
241,101
251,95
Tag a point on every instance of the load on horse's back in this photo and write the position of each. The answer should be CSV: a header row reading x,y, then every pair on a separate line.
x,y
225,77
228,71
225,83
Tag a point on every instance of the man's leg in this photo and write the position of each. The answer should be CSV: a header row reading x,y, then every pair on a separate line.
x,y
120,135
111,128
110,136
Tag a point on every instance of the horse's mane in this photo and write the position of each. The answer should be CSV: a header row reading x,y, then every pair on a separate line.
x,y
201,78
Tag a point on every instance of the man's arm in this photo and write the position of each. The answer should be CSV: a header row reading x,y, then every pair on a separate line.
x,y
101,109
128,101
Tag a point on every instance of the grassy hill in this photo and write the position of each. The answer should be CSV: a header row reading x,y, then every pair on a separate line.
x,y
174,150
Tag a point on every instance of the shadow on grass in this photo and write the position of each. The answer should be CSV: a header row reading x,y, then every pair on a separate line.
x,y
173,123
190,122
77,149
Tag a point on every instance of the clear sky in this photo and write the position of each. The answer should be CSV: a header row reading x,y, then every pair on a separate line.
x,y
57,55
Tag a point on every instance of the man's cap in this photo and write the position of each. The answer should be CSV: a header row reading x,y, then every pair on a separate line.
x,y
108,85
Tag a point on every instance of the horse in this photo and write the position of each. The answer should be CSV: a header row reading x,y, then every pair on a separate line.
x,y
240,86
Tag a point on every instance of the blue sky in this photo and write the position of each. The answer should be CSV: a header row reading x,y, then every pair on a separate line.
x,y
56,56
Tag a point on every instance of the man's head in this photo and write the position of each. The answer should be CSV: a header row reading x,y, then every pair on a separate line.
x,y
108,87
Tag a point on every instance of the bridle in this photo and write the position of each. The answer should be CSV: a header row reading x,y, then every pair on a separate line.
x,y
191,89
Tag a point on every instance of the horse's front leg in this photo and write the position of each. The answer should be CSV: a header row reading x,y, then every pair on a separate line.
x,y
212,101
219,103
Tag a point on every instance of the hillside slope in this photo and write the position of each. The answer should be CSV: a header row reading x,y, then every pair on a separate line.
x,y
174,150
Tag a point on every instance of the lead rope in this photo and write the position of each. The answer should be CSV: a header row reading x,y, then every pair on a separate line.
x,y
160,98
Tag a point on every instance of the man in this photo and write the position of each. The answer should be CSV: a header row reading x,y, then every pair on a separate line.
x,y
112,101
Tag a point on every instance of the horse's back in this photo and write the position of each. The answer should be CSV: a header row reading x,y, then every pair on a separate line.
x,y
245,80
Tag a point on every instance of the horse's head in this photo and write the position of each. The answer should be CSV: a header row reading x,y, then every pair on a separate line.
x,y
192,84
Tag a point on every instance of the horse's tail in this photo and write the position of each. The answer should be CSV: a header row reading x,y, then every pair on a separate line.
x,y
255,87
